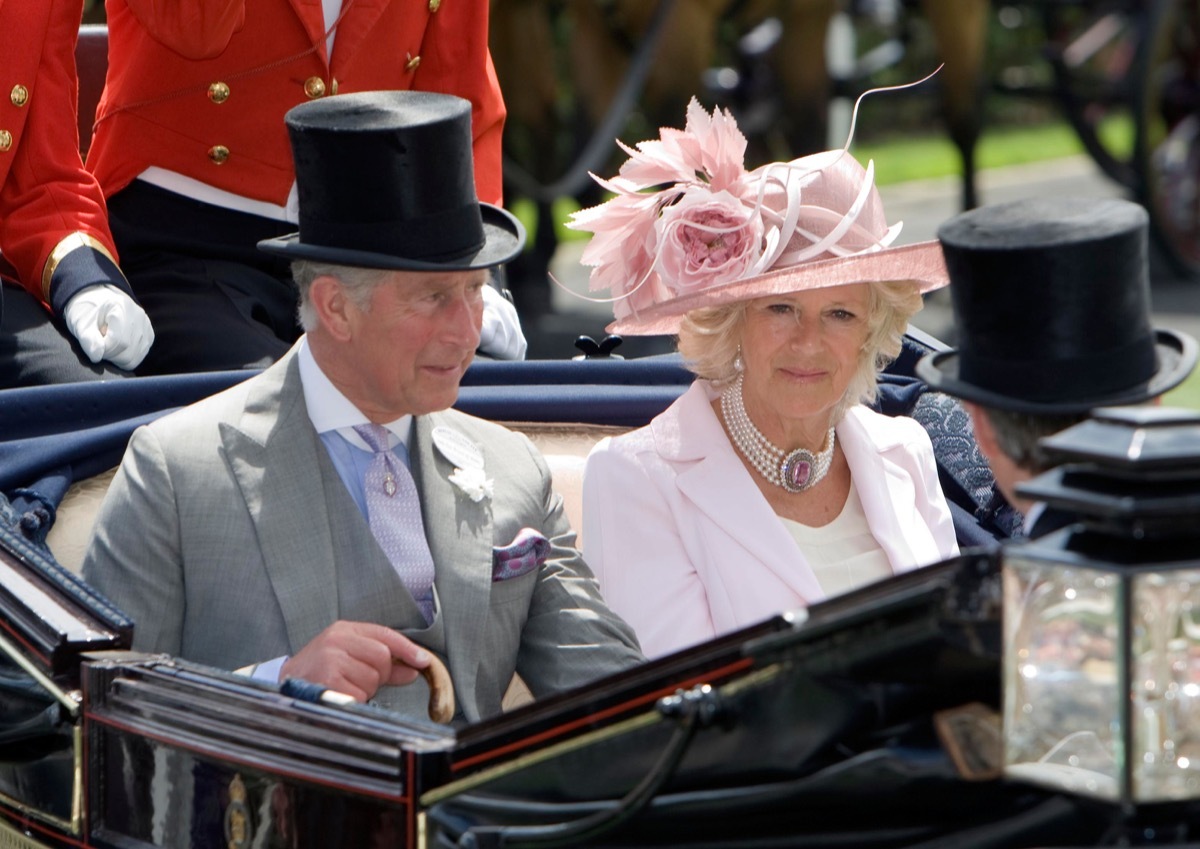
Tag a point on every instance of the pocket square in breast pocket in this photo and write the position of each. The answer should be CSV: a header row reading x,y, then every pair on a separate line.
x,y
525,553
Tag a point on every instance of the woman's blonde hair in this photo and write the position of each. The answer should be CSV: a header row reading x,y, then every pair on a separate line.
x,y
710,339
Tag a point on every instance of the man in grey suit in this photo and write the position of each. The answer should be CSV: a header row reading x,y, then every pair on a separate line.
x,y
239,531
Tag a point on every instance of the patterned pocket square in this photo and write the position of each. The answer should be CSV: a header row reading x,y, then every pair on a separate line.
x,y
525,553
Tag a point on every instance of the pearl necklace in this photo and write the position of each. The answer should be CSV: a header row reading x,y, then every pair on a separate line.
x,y
795,472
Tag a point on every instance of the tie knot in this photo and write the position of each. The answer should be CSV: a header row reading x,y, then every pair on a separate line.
x,y
376,436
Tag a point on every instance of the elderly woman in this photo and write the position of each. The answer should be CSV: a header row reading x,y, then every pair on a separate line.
x,y
768,485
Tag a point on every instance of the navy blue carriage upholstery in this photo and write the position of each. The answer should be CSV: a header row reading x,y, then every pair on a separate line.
x,y
51,436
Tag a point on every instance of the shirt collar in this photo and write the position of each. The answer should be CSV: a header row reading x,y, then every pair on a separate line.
x,y
1031,518
330,410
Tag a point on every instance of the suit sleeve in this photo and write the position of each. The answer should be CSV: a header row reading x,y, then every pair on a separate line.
x,y
632,540
571,636
50,207
455,59
138,564
195,29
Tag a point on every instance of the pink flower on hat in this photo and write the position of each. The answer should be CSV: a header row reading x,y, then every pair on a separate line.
x,y
706,239
679,209
709,146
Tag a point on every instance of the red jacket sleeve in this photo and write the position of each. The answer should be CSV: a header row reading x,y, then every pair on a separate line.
x,y
48,202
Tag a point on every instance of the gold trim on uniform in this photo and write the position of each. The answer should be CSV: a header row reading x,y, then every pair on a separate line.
x,y
218,92
19,95
71,242
218,153
314,87
5,140
412,63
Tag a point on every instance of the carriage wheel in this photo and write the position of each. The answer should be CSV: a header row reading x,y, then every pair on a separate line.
x,y
1167,150
1094,51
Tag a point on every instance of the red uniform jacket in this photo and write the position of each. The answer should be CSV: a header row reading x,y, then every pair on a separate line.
x,y
48,203
201,86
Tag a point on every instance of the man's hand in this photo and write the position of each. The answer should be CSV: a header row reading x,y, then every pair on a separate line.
x,y
357,658
109,326
501,336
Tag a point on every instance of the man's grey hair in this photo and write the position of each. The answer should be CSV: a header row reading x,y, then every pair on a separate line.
x,y
1018,434
358,284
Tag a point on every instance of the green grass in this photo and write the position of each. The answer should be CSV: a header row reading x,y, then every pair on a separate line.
x,y
1187,394
921,158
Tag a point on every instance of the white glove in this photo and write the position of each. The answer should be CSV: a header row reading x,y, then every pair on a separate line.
x,y
109,325
501,336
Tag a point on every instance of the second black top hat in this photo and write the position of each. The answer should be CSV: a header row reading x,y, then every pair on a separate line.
x,y
386,180
1051,302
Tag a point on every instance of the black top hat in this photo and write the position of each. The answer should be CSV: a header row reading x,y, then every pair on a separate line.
x,y
386,180
1051,300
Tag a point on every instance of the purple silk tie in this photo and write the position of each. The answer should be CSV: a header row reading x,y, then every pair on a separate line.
x,y
394,514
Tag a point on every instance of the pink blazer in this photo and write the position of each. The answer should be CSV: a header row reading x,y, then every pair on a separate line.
x,y
686,547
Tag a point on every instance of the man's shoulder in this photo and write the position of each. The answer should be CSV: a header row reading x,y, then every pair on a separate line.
x,y
475,426
494,435
204,417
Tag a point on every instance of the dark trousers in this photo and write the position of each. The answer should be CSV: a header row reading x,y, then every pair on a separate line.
x,y
36,348
216,302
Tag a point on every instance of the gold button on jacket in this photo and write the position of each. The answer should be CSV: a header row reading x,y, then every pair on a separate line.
x,y
413,62
5,140
218,92
218,153
314,87
434,5
19,95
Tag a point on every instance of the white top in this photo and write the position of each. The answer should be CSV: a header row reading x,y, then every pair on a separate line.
x,y
844,553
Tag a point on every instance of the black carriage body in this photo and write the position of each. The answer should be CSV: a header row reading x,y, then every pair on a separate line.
x,y
170,754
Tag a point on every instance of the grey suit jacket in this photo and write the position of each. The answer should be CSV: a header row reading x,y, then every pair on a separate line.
x,y
217,538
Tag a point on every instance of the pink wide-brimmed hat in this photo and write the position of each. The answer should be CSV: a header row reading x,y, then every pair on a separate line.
x,y
688,227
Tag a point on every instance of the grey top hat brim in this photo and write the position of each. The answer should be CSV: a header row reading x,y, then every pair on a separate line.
x,y
504,237
1176,354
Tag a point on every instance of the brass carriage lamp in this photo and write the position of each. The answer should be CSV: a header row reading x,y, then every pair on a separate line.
x,y
1101,666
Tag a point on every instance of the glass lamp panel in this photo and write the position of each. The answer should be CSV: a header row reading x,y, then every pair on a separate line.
x,y
1166,685
1062,674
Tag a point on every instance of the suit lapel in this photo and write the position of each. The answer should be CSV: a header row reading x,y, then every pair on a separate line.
x,y
359,21
460,538
273,453
884,489
312,15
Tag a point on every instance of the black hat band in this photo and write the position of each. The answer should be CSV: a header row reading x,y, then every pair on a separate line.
x,y
1086,376
443,235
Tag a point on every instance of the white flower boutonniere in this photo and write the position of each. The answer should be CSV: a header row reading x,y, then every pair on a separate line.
x,y
473,482
468,474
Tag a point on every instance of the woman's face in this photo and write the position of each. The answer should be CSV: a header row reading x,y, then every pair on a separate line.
x,y
800,353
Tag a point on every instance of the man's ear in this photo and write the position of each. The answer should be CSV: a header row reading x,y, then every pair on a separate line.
x,y
333,308
985,435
